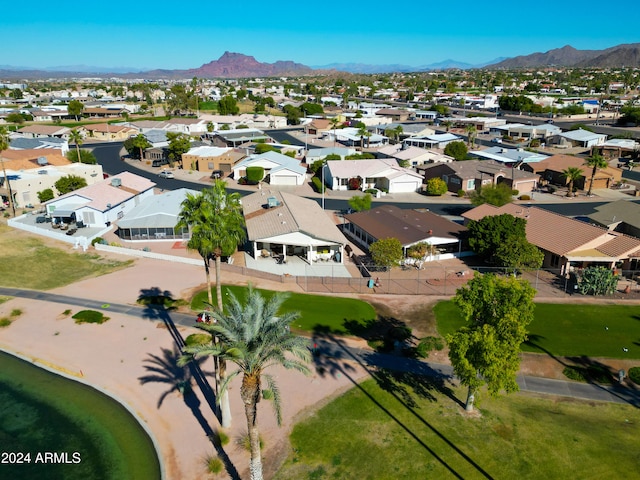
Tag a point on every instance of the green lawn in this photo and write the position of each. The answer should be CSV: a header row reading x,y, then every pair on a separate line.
x,y
28,263
570,329
412,430
317,312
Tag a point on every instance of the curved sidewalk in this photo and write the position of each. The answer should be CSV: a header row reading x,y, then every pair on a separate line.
x,y
338,348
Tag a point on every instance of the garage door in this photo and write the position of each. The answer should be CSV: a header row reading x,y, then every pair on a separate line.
x,y
284,180
403,187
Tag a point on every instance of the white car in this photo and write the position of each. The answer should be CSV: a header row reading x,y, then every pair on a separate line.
x,y
166,174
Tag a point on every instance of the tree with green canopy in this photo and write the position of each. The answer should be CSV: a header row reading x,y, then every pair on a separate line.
x,y
386,252
360,203
486,350
596,162
69,183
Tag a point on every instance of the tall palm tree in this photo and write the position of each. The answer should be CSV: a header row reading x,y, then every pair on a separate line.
x,y
4,145
76,137
596,162
334,124
572,175
471,133
214,218
254,336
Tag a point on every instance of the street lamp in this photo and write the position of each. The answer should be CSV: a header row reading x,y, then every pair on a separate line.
x,y
323,185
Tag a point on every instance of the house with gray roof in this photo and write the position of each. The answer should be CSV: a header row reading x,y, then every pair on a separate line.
x,y
382,173
315,154
284,225
508,155
578,138
155,218
40,143
472,175
101,203
439,140
621,216
281,169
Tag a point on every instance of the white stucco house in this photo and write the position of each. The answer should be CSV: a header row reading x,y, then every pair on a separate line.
x,y
102,203
280,169
384,174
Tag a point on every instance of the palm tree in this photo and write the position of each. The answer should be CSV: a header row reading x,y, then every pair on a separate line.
x,y
334,124
596,162
471,133
254,336
572,175
4,145
216,223
447,124
76,137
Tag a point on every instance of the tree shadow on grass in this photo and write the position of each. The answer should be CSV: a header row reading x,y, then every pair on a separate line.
x,y
421,378
594,373
158,312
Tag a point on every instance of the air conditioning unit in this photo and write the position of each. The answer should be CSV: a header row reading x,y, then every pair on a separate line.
x,y
42,161
116,182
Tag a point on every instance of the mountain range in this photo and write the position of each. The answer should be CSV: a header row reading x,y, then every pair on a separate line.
x,y
237,65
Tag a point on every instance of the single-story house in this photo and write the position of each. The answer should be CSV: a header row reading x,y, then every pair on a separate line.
x,y
315,154
410,227
508,155
351,137
105,131
206,159
235,138
473,174
46,143
384,174
155,218
439,140
414,156
617,148
280,169
578,138
621,216
526,132
284,225
37,131
550,170
567,243
102,203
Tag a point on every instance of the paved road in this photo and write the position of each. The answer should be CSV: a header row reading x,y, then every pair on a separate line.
x,y
331,349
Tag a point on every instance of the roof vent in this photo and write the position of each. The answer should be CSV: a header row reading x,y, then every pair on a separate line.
x,y
116,182
42,161
42,172
272,202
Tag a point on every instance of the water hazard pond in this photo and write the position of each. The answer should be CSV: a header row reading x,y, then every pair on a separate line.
x,y
54,428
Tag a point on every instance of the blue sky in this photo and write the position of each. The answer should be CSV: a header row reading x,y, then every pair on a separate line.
x,y
172,35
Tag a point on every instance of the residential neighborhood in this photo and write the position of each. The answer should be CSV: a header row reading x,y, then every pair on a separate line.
x,y
460,245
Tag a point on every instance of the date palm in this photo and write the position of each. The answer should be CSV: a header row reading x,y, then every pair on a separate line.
x,y
255,336
471,133
572,175
215,221
76,137
596,162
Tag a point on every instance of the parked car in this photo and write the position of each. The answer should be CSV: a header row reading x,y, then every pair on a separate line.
x,y
166,174
216,174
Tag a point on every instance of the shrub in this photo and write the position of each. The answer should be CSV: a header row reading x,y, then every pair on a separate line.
x,y
551,189
525,197
45,195
245,443
4,322
461,193
89,316
254,175
436,186
317,184
355,183
428,344
99,240
214,464
634,374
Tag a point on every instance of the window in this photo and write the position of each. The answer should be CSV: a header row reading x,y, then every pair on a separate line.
x,y
471,184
